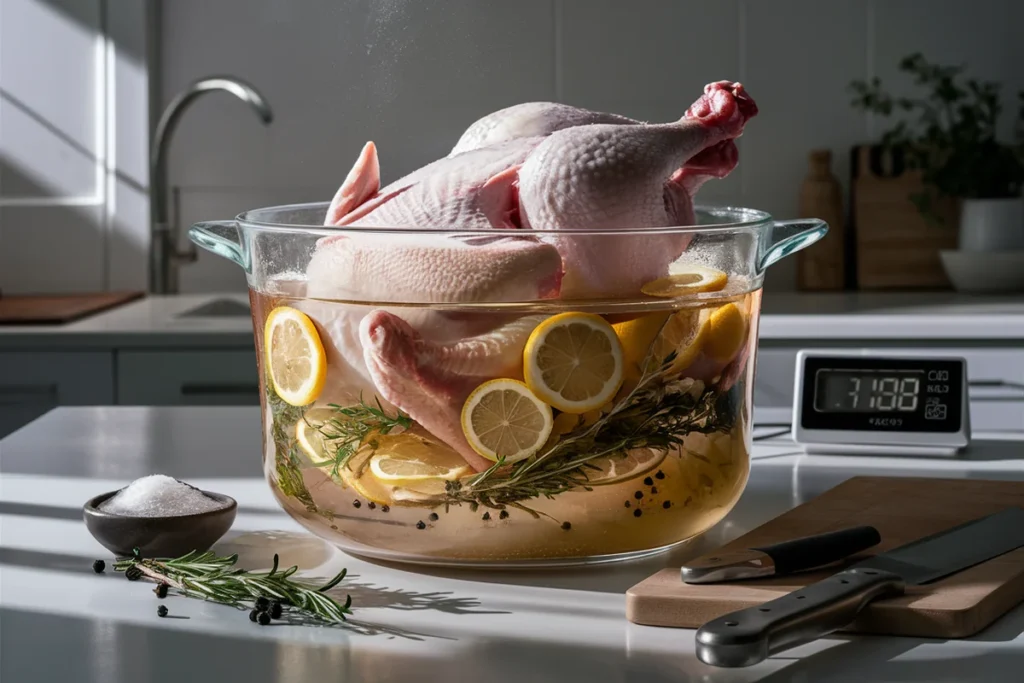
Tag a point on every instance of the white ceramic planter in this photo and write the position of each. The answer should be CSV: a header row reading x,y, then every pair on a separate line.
x,y
992,224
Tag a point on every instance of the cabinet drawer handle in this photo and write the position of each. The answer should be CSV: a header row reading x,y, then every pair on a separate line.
x,y
219,389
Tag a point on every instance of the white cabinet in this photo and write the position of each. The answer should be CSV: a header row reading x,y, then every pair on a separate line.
x,y
996,376
32,383
196,377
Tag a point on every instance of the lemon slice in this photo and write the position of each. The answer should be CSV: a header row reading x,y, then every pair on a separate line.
x,y
416,464
726,333
295,356
312,436
688,279
682,332
573,361
503,418
623,466
357,476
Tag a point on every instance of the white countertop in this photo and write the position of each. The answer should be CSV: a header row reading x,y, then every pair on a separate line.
x,y
787,318
63,622
150,321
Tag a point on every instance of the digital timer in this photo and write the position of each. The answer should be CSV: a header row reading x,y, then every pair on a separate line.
x,y
876,401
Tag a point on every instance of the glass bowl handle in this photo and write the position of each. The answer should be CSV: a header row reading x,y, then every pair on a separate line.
x,y
222,238
788,237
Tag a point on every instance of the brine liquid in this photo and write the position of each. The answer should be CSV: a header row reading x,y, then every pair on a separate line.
x,y
671,496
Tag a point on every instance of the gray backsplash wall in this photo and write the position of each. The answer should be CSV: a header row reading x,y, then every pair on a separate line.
x,y
411,74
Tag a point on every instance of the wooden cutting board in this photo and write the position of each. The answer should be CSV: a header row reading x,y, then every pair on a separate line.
x,y
50,309
903,510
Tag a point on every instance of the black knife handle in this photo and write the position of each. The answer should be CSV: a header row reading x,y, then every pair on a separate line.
x,y
749,636
815,551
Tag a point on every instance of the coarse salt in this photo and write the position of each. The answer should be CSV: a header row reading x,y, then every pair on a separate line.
x,y
159,496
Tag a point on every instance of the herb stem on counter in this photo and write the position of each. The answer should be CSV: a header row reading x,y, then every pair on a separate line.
x,y
208,576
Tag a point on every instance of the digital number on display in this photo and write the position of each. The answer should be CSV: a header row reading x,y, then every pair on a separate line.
x,y
846,391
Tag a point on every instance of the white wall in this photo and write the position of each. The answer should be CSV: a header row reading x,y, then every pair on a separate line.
x,y
73,145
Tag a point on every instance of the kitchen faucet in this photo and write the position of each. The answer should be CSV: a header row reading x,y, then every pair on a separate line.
x,y
164,255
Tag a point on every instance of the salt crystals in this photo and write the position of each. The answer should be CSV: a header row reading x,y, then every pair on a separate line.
x,y
159,496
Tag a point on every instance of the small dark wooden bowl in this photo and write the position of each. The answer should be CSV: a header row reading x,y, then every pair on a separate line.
x,y
159,536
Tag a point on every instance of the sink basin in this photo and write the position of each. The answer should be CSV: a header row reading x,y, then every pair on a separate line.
x,y
218,308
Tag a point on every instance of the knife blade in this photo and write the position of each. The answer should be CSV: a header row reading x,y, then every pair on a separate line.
x,y
749,636
782,558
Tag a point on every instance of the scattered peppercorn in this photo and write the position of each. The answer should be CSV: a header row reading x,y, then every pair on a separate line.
x,y
503,514
627,503
133,573
385,508
276,609
262,604
648,481
263,618
638,495
161,590
487,517
637,512
433,517
254,615
356,504
654,490
566,526
659,474
161,611
667,504
371,505
98,566
421,525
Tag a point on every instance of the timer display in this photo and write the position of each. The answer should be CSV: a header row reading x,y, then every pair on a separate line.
x,y
857,391
880,394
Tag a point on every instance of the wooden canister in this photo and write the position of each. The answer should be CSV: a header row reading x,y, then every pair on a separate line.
x,y
820,266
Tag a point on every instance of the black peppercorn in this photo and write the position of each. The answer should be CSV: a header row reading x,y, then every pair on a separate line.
x,y
161,590
659,474
371,505
133,573
98,566
637,512
433,517
263,618
566,526
421,525
356,504
254,615
385,508
276,609
648,481
161,611
487,517
262,604
638,495
654,490
627,504
503,514
667,504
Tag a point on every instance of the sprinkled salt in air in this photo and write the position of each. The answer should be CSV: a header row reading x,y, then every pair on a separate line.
x,y
159,496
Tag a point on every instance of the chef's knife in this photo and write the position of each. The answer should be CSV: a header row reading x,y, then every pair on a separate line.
x,y
749,636
782,558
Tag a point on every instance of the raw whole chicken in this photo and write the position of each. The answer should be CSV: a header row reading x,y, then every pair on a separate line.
x,y
540,166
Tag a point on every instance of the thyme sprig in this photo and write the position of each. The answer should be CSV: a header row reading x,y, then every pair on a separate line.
x,y
208,576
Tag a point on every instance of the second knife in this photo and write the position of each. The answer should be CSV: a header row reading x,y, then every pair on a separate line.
x,y
782,558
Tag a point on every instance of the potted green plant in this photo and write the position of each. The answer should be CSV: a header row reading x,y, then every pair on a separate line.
x,y
950,136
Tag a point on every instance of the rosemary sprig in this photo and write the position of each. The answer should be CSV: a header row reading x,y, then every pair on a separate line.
x,y
352,428
287,459
211,577
658,413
